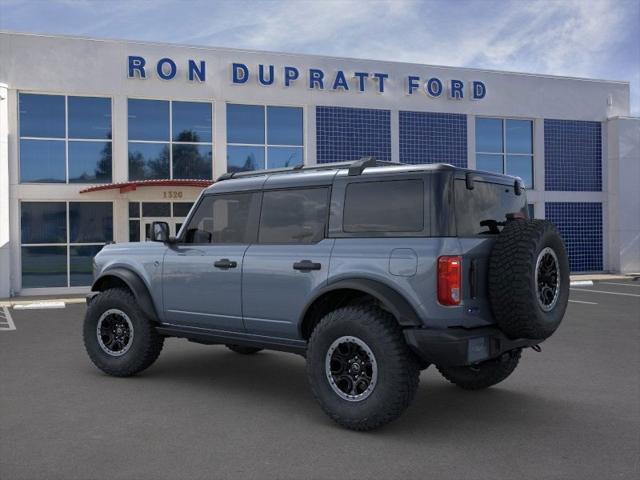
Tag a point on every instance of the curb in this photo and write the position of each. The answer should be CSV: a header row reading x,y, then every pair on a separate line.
x,y
39,305
581,283
24,304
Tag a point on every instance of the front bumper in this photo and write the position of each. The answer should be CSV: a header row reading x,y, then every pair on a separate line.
x,y
460,346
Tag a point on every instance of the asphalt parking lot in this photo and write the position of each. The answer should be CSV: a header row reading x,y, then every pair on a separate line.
x,y
572,411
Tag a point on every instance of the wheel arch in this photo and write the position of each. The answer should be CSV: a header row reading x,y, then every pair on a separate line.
x,y
120,277
348,290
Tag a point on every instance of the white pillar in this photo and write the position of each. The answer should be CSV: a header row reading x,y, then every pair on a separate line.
x,y
219,139
5,243
471,142
395,135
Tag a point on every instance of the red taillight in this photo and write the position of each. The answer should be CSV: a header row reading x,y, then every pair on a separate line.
x,y
449,280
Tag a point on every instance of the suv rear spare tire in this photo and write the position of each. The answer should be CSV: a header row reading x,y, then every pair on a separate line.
x,y
529,279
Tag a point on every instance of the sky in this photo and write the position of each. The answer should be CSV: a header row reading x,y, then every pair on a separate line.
x,y
579,38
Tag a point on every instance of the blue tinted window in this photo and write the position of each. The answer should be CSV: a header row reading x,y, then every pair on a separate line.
x,y
44,267
181,209
279,157
241,159
156,209
89,117
41,115
148,120
521,166
89,162
519,136
489,163
531,210
81,264
192,161
90,222
245,124
284,126
148,161
43,222
134,209
42,161
134,230
191,122
489,135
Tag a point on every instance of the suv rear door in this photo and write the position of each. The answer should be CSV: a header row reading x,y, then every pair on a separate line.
x,y
202,275
289,261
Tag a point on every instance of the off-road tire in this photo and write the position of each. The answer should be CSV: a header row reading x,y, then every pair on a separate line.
x,y
513,291
243,350
146,344
398,370
483,375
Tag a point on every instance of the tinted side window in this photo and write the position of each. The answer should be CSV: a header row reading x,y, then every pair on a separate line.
x,y
390,206
488,203
294,216
224,219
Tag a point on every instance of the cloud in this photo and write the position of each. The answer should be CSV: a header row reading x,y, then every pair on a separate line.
x,y
588,38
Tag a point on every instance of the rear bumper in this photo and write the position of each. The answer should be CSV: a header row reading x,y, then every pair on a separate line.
x,y
460,346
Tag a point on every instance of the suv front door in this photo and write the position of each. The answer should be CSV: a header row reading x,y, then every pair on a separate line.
x,y
203,272
289,261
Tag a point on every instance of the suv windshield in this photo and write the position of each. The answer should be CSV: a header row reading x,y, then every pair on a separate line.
x,y
484,209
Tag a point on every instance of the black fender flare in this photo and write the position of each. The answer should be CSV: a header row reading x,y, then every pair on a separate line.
x,y
399,307
135,284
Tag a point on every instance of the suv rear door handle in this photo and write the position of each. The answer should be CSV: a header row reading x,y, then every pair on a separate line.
x,y
225,263
307,265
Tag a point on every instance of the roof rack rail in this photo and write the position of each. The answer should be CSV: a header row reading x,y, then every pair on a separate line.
x,y
225,176
358,166
355,168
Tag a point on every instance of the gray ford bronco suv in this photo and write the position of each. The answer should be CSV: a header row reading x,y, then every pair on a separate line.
x,y
371,270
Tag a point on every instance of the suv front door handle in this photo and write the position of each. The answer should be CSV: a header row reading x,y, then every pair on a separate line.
x,y
225,263
306,265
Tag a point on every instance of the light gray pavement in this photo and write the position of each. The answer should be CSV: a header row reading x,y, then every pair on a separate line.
x,y
570,412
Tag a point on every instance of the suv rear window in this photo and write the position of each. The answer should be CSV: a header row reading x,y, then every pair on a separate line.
x,y
294,216
488,203
389,206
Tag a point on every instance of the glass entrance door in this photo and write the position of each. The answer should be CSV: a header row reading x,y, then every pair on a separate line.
x,y
143,214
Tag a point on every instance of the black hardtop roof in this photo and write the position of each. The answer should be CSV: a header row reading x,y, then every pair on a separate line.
x,y
357,167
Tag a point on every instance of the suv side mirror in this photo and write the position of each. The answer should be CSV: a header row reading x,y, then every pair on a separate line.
x,y
160,232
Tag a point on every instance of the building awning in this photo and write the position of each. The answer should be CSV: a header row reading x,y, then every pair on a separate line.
x,y
125,187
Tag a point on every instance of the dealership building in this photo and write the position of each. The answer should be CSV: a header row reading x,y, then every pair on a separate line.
x,y
98,138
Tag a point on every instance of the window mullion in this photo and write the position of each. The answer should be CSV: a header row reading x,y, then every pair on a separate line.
x,y
266,141
504,145
66,139
68,250
171,139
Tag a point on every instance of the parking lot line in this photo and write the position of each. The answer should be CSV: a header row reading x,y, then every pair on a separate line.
x,y
621,284
6,322
580,301
609,293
